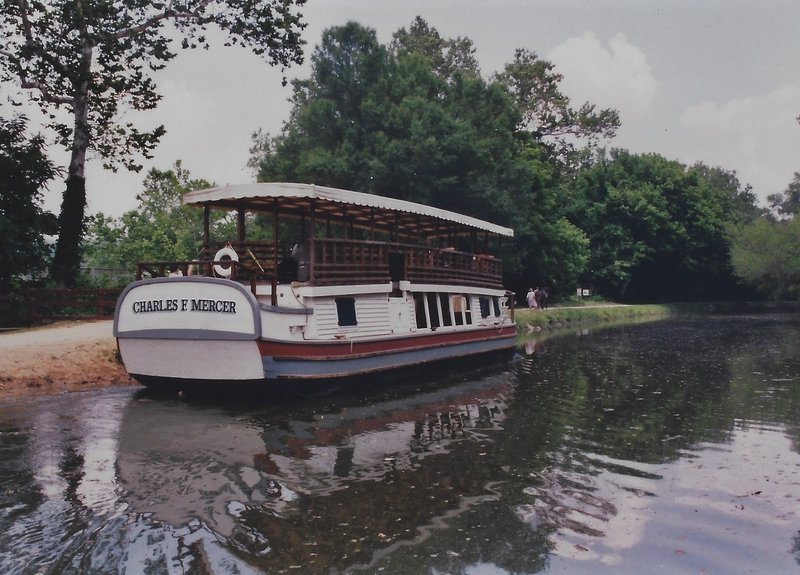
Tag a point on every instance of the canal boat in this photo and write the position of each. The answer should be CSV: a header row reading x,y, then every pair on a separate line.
x,y
348,284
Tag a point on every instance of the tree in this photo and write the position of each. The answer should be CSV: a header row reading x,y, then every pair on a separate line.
x,y
658,230
787,203
160,229
24,171
737,201
766,253
92,58
446,56
546,111
416,121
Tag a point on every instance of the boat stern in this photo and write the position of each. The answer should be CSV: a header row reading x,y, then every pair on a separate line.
x,y
189,329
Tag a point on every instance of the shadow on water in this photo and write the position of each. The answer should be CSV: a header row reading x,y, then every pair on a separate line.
x,y
671,444
366,387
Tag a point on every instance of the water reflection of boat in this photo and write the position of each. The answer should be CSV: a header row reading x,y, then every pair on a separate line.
x,y
256,480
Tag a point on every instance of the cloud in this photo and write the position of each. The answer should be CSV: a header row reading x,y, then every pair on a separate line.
x,y
616,76
758,136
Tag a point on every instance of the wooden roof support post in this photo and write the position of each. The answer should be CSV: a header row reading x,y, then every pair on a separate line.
x,y
275,234
206,226
240,231
274,297
312,240
372,224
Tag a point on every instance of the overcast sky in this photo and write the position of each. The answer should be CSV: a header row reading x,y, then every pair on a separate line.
x,y
716,81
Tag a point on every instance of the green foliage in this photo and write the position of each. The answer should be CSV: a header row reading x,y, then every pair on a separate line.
x,y
787,203
160,229
658,229
766,253
446,56
416,121
93,59
546,111
24,171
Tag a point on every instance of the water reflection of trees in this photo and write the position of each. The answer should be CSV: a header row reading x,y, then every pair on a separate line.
x,y
628,400
644,393
491,470
766,378
19,493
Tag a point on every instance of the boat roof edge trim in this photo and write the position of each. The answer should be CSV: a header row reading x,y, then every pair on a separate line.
x,y
310,191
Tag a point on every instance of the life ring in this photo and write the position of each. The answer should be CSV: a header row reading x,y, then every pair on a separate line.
x,y
226,252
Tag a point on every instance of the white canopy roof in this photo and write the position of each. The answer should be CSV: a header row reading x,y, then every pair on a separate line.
x,y
365,209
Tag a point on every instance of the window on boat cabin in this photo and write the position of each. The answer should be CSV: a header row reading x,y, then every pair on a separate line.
x,y
458,303
490,307
433,310
419,310
484,303
444,306
346,311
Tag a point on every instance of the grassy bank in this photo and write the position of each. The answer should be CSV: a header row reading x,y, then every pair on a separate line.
x,y
570,316
565,317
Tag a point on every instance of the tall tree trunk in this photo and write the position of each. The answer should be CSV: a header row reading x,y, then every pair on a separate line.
x,y
67,259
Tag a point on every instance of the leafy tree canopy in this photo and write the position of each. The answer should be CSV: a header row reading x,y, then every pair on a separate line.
x,y
787,204
658,229
446,56
160,229
546,111
417,121
93,58
766,253
24,171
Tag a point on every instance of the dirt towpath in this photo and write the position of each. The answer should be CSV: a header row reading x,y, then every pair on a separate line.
x,y
67,356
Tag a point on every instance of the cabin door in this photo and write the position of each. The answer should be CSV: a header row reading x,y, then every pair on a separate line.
x,y
397,266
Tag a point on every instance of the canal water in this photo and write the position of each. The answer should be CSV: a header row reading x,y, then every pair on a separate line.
x,y
665,447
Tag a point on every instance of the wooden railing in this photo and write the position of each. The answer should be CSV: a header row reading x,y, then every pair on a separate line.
x,y
54,304
340,261
255,257
447,266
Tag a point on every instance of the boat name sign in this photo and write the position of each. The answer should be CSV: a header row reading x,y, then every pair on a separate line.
x,y
184,304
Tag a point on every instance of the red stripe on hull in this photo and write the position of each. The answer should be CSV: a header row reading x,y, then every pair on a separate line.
x,y
354,349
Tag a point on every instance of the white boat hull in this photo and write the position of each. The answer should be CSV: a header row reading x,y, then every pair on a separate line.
x,y
197,329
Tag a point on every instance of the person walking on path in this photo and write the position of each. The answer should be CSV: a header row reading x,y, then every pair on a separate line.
x,y
542,299
537,298
531,299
